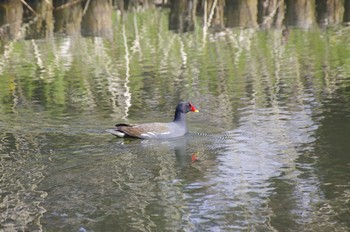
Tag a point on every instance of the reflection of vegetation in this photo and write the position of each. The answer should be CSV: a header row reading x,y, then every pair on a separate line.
x,y
84,74
66,80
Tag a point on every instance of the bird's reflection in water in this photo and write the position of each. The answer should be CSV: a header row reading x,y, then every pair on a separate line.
x,y
180,146
184,147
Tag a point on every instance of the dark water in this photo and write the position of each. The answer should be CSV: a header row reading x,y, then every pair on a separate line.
x,y
271,138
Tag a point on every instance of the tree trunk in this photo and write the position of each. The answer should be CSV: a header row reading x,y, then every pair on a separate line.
x,y
216,14
11,15
68,17
181,15
271,13
40,19
346,18
300,13
241,13
329,12
97,20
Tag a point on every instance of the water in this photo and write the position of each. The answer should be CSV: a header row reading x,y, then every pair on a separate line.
x,y
271,138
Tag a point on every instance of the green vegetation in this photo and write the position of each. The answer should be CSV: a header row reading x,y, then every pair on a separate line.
x,y
146,63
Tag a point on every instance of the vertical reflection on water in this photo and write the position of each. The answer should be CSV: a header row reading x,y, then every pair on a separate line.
x,y
38,55
263,148
21,172
276,128
259,175
124,185
127,93
8,49
147,180
63,56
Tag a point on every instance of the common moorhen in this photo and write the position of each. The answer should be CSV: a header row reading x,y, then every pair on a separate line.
x,y
157,130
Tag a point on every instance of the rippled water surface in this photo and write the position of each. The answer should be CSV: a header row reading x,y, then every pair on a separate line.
x,y
269,150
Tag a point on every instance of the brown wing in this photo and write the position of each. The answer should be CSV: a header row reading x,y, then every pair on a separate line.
x,y
147,130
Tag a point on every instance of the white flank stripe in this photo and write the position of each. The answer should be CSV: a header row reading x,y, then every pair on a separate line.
x,y
145,135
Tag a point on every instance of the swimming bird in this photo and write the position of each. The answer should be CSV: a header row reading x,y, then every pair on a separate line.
x,y
157,130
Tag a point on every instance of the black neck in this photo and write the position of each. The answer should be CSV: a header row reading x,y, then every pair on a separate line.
x,y
180,117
